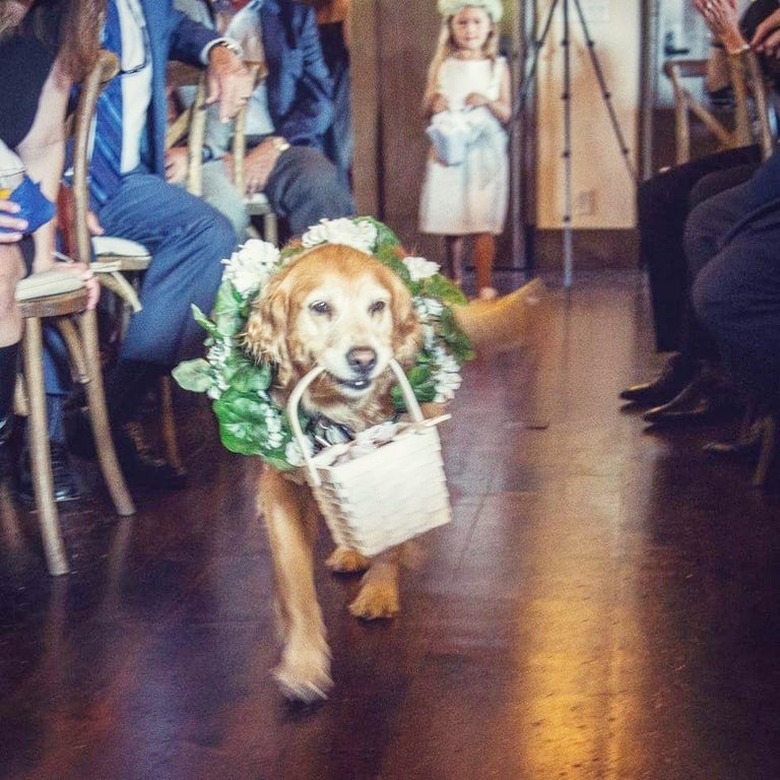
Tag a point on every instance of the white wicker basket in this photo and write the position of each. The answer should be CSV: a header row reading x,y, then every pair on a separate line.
x,y
386,496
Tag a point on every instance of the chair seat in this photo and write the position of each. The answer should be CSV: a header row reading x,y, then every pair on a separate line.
x,y
47,283
257,204
132,255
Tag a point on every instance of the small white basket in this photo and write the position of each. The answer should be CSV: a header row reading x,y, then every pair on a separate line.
x,y
386,496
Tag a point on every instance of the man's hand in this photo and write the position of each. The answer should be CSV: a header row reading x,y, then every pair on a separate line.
x,y
767,35
176,164
229,82
258,165
16,225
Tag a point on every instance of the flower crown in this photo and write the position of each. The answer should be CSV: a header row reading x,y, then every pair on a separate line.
x,y
250,421
494,8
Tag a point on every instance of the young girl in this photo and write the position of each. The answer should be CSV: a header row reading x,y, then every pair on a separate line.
x,y
469,198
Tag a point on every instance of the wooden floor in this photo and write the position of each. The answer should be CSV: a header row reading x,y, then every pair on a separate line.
x,y
604,605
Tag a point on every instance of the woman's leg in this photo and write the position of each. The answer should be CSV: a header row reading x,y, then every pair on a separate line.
x,y
453,258
11,271
484,254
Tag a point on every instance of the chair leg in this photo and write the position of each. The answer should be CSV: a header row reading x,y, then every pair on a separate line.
x,y
172,454
104,443
271,228
75,353
766,455
43,482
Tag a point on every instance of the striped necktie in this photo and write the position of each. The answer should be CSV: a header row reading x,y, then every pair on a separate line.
x,y
105,165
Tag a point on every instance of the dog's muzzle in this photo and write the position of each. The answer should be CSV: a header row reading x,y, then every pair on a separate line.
x,y
361,361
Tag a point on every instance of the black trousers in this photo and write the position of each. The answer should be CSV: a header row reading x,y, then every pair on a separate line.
x,y
663,204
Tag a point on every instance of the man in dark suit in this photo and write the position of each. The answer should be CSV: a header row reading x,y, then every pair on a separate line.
x,y
734,238
288,116
131,199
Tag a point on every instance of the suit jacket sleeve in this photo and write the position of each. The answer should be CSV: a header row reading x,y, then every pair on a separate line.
x,y
188,39
309,114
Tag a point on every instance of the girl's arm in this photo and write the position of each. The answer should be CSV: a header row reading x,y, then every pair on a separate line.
x,y
501,107
434,101
43,153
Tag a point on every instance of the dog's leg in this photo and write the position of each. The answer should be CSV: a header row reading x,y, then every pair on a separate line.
x,y
345,560
378,596
304,671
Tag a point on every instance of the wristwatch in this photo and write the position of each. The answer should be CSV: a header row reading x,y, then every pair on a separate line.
x,y
228,44
280,143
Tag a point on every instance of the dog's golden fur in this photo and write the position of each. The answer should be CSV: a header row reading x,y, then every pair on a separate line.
x,y
341,309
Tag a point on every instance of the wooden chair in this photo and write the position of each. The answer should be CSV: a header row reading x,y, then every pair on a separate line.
x,y
131,258
747,82
78,328
257,204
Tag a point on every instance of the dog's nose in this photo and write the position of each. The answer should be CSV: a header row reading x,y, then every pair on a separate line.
x,y
361,360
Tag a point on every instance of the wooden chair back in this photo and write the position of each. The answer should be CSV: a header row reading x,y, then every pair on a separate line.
x,y
748,84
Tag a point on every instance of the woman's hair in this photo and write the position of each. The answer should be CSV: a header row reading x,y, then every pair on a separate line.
x,y
72,26
446,47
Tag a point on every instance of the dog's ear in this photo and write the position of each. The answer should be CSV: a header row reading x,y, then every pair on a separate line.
x,y
266,329
407,332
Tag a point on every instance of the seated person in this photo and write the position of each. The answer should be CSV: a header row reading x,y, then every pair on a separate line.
x,y
287,118
333,26
663,204
51,45
734,237
131,199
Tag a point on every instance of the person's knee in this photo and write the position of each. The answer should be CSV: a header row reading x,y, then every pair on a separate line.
x,y
214,234
220,193
307,188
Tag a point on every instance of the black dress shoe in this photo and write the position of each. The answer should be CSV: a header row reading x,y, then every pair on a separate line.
x,y
677,373
140,466
701,400
65,487
745,447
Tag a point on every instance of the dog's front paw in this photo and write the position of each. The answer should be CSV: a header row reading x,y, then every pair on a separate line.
x,y
376,600
345,560
304,677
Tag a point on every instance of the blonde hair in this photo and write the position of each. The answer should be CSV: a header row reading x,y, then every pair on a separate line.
x,y
446,47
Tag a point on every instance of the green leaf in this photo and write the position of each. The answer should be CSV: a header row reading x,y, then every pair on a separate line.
x,y
204,321
438,286
194,375
252,378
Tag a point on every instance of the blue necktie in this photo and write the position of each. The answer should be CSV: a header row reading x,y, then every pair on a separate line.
x,y
105,165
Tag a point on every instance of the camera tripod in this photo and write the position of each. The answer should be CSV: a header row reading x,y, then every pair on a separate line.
x,y
527,82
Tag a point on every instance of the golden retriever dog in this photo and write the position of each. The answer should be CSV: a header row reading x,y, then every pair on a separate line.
x,y
341,309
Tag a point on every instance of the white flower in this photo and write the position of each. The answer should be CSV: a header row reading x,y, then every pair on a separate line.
x,y
429,336
359,235
292,452
428,307
249,268
420,268
446,385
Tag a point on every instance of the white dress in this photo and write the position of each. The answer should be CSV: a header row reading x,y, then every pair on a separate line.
x,y
470,197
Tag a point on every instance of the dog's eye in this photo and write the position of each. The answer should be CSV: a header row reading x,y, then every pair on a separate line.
x,y
377,306
320,307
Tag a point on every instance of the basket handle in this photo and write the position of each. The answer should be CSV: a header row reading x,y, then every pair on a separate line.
x,y
300,389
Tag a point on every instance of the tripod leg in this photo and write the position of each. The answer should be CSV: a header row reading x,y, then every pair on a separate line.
x,y
605,93
568,261
528,78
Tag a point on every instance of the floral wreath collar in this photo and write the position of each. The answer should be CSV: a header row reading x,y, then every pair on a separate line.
x,y
250,421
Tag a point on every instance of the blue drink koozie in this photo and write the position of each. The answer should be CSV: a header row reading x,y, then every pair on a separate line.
x,y
36,208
